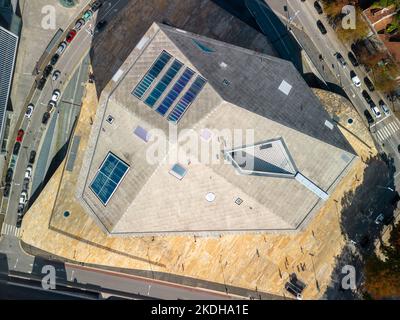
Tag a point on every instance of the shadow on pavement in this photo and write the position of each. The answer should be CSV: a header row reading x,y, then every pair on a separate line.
x,y
360,224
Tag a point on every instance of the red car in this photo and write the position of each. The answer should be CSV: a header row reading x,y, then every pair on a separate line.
x,y
20,135
71,35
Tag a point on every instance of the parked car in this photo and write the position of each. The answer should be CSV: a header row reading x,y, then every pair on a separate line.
x,y
16,148
41,83
79,24
56,95
369,84
367,115
318,7
32,157
28,172
47,71
9,175
340,58
29,110
366,96
96,5
7,189
375,110
56,74
100,26
355,79
45,117
71,35
353,59
87,15
54,59
61,48
384,107
23,198
321,27
20,135
21,208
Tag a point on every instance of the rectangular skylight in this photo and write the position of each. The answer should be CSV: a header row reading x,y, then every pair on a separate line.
x,y
163,83
178,171
285,87
175,91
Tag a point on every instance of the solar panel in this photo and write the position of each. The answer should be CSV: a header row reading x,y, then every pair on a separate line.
x,y
151,75
187,99
175,91
109,176
163,83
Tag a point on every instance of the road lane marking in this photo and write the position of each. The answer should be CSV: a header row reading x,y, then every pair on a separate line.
x,y
380,136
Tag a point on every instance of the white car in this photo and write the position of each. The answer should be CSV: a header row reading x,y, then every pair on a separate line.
x,y
29,110
376,111
61,48
355,79
23,198
56,95
28,172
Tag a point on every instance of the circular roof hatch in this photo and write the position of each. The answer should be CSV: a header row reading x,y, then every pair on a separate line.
x,y
210,197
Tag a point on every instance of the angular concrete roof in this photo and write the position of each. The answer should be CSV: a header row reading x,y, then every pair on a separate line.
x,y
263,97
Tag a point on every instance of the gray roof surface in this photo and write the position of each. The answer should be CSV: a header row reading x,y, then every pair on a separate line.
x,y
150,200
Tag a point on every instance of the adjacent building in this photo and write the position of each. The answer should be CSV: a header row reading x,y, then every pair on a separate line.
x,y
197,136
10,25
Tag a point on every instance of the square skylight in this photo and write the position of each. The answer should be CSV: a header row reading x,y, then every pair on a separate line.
x,y
285,87
178,171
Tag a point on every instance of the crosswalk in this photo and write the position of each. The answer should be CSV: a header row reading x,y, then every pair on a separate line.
x,y
388,130
10,230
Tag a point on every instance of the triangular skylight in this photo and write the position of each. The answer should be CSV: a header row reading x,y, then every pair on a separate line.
x,y
269,158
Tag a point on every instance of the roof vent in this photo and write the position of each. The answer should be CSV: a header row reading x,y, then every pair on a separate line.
x,y
178,171
226,82
223,65
285,87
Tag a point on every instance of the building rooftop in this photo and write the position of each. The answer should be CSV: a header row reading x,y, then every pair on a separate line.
x,y
197,136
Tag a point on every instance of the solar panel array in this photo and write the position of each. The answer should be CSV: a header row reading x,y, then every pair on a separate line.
x,y
162,99
8,47
109,176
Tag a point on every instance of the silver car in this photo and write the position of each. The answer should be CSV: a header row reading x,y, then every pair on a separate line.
x,y
384,107
61,48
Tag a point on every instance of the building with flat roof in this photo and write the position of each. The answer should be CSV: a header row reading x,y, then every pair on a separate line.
x,y
197,136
